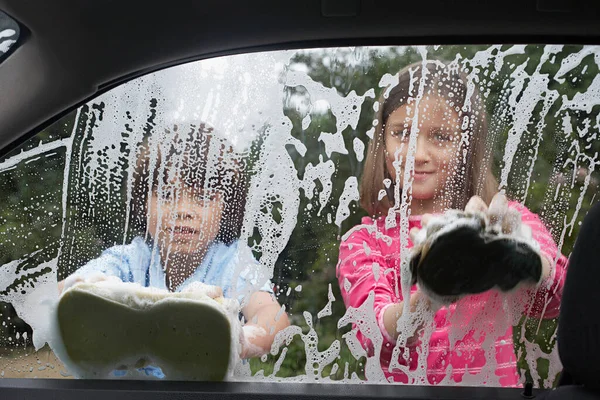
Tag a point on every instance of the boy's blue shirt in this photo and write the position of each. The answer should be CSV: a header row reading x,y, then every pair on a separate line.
x,y
231,267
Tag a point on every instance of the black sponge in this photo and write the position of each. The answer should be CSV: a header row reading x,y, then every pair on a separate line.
x,y
461,254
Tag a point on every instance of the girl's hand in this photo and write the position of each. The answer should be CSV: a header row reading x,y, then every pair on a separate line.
x,y
497,213
506,220
476,205
498,221
425,218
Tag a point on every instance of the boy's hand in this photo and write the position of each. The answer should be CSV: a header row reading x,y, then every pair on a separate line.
x,y
248,334
75,279
214,292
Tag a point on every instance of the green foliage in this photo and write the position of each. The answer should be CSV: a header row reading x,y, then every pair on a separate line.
x,y
340,69
30,216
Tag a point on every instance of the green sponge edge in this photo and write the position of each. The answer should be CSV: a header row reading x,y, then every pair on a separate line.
x,y
189,339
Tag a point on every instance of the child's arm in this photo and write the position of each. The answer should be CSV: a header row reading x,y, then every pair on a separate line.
x,y
78,277
115,261
393,312
362,268
265,319
546,300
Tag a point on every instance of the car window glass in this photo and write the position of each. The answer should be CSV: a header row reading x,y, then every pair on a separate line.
x,y
301,175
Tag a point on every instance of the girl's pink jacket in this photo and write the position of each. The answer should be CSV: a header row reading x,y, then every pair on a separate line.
x,y
463,331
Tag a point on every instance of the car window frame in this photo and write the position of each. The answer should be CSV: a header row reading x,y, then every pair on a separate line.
x,y
33,388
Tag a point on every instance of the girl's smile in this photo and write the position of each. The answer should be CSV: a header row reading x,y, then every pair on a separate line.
x,y
435,157
420,176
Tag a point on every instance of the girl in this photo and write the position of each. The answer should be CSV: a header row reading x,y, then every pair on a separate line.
x,y
451,171
188,198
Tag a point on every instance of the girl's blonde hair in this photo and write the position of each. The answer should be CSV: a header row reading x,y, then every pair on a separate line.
x,y
450,84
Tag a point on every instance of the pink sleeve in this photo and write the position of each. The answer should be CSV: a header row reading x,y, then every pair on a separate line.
x,y
362,268
546,303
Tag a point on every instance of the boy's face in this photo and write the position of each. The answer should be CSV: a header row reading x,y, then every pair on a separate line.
x,y
184,220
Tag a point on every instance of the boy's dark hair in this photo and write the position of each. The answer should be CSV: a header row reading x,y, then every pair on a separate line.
x,y
194,155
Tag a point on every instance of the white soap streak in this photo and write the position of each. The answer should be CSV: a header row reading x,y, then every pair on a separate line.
x,y
593,162
359,149
585,101
345,109
275,183
322,172
365,321
78,184
407,180
366,248
347,285
387,81
524,107
10,273
279,361
15,160
356,348
549,99
334,369
286,336
493,54
274,194
6,44
306,122
316,360
376,268
326,311
573,60
534,353
6,33
35,306
349,194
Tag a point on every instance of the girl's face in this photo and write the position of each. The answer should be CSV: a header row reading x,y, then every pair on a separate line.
x,y
184,220
438,136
